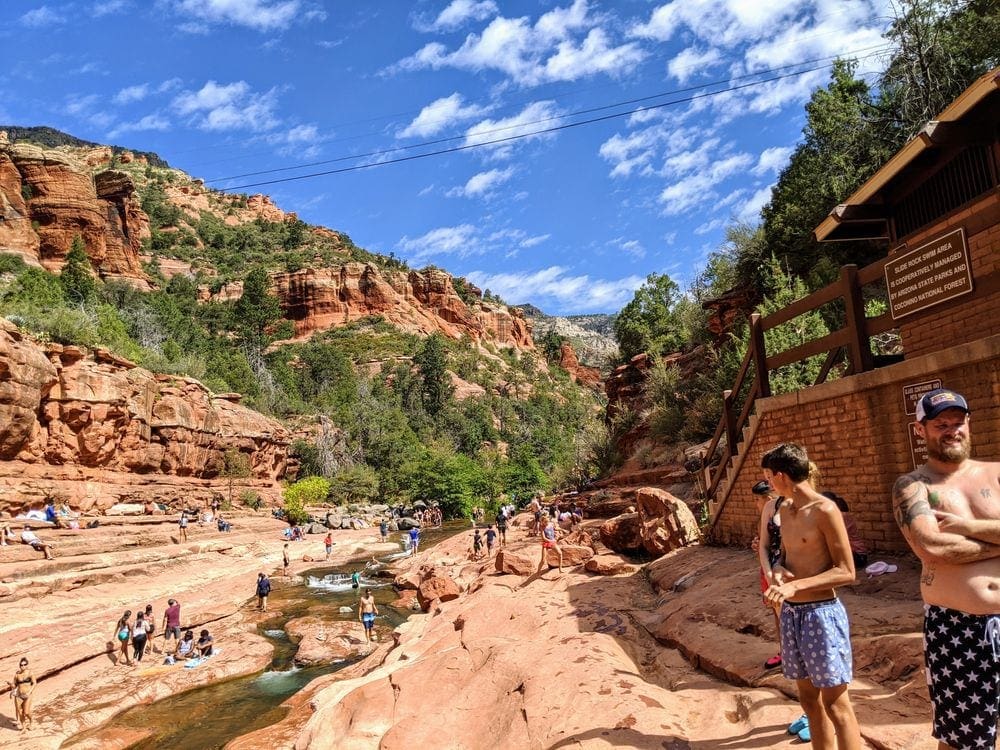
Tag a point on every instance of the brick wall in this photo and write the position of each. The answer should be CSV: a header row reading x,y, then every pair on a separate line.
x,y
963,319
856,430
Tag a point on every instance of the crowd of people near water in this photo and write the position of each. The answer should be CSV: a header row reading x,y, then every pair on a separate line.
x,y
134,637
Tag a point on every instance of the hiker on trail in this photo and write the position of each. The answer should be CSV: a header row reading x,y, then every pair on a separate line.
x,y
549,542
414,540
122,634
767,545
171,622
328,544
477,545
182,527
367,609
139,637
263,589
29,537
948,512
21,689
284,560
491,538
815,635
502,527
150,622
204,644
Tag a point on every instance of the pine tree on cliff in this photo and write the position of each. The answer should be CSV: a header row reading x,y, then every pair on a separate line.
x,y
77,278
255,311
431,361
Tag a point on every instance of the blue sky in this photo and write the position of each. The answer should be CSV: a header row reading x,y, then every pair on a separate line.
x,y
571,219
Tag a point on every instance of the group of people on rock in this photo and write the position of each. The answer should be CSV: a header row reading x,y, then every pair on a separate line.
x,y
808,545
139,632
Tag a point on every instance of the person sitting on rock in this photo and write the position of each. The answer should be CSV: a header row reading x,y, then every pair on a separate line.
x,y
204,644
30,537
185,648
223,524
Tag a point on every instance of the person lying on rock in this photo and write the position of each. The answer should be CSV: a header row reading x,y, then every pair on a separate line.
x,y
31,538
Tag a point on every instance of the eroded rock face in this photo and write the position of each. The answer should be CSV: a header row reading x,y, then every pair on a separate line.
x,y
588,376
95,429
323,641
660,524
48,197
437,587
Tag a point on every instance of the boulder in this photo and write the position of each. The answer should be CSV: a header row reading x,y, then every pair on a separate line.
x,y
407,600
666,522
406,523
437,587
125,509
316,528
519,563
606,565
622,533
572,554
606,505
322,641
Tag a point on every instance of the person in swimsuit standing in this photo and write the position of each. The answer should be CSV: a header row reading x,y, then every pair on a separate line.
x,y
123,631
768,547
367,610
21,689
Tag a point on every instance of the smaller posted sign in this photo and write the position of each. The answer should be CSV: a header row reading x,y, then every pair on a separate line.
x,y
928,275
918,446
913,392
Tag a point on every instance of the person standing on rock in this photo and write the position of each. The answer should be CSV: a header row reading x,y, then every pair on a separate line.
x,y
815,635
414,540
491,538
284,560
383,529
182,527
367,610
949,512
328,544
767,545
171,622
263,589
139,637
549,542
123,631
150,622
501,520
21,689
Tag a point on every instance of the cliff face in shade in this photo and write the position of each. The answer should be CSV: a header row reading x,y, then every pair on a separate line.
x,y
95,429
50,196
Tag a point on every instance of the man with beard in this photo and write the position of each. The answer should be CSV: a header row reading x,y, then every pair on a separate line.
x,y
949,511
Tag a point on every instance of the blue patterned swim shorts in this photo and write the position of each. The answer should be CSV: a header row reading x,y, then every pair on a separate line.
x,y
816,643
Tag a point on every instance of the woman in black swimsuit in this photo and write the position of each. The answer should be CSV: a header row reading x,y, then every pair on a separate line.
x,y
23,687
768,548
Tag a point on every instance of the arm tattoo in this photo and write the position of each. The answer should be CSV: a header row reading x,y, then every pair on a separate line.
x,y
908,502
927,576
986,493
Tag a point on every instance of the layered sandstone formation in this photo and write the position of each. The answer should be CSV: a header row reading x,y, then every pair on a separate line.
x,y
422,302
588,376
94,429
49,196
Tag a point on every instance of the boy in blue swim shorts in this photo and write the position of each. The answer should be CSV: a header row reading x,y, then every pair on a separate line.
x,y
815,637
367,610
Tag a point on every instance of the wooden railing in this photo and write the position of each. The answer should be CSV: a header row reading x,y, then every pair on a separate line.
x,y
753,378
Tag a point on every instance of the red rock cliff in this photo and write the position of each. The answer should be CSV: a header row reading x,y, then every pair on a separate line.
x,y
96,429
49,196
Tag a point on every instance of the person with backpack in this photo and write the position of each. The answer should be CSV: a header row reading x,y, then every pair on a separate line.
x,y
263,589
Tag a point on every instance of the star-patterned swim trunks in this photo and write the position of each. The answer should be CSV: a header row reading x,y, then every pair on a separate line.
x,y
816,643
963,675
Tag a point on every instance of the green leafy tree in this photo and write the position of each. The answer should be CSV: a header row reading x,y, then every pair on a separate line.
x,y
648,323
77,277
256,310
303,493
435,384
355,484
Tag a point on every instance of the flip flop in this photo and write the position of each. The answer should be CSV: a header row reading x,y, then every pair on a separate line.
x,y
773,663
805,735
799,724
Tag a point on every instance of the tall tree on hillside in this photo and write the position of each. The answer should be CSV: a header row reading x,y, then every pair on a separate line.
x,y
77,277
255,311
431,362
649,322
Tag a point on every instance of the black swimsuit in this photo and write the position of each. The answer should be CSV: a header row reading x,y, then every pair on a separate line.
x,y
774,536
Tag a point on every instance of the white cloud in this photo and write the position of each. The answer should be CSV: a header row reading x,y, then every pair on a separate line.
x,y
709,226
227,107
132,94
547,51
630,247
41,16
439,115
460,240
457,13
751,209
149,122
772,160
554,284
261,15
526,124
482,183
691,62
109,7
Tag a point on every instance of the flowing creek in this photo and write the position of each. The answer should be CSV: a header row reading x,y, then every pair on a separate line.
x,y
208,717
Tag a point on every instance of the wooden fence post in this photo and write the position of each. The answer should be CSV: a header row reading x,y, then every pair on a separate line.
x,y
759,356
857,341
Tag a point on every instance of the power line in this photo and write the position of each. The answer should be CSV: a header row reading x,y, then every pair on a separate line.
x,y
508,139
872,51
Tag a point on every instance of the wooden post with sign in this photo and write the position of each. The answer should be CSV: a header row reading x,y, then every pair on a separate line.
x,y
858,344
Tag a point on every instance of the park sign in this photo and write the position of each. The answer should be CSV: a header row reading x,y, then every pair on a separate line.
x,y
933,273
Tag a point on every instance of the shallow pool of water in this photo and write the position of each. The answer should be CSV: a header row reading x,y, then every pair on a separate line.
x,y
208,717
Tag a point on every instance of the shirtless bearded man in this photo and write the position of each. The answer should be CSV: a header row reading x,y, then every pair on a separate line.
x,y
949,511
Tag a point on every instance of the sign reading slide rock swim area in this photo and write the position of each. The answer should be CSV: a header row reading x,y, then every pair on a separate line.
x,y
933,273
913,392
918,446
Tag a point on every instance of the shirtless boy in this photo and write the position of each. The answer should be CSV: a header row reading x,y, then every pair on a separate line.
x,y
815,638
367,610
949,511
